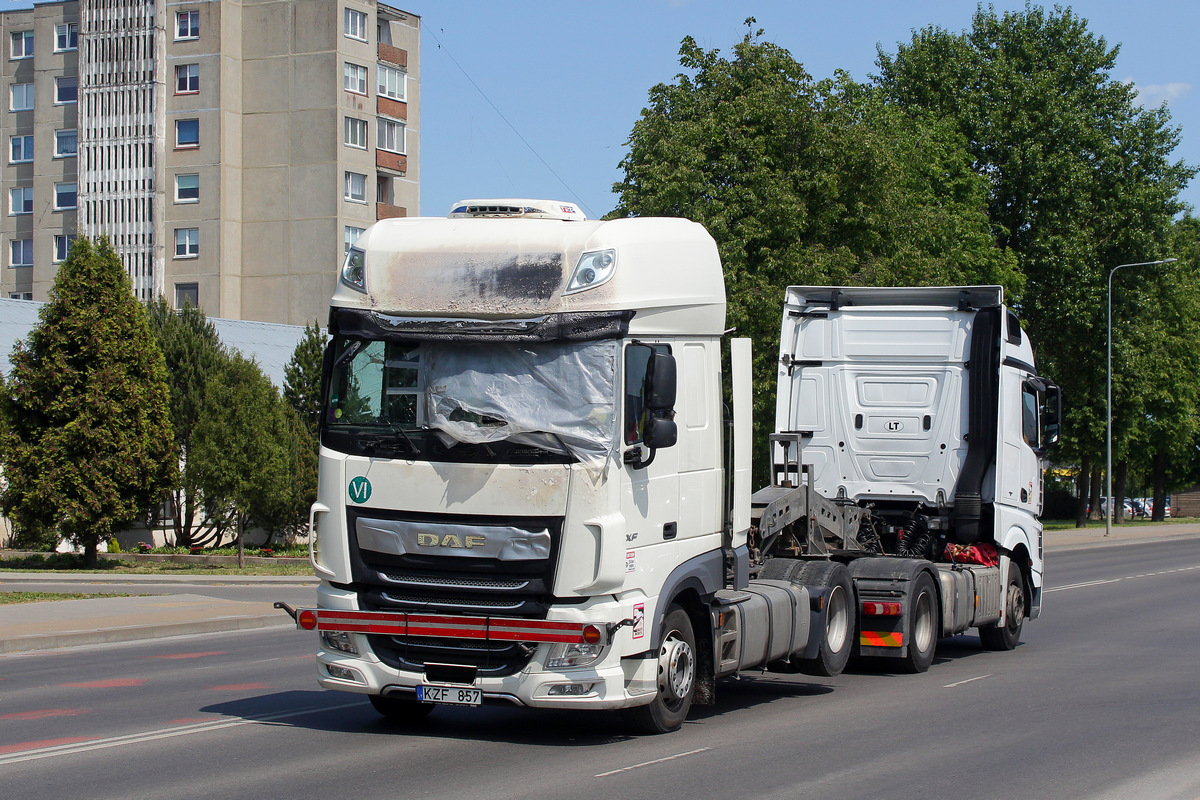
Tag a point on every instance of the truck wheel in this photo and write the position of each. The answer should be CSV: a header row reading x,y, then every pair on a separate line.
x,y
781,569
837,640
400,709
922,625
1005,637
676,677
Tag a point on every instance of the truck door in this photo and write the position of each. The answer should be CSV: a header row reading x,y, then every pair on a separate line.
x,y
650,494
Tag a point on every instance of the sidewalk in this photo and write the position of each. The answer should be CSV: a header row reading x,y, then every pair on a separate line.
x,y
1093,535
69,623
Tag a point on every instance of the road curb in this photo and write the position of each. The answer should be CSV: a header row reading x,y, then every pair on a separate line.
x,y
1116,540
54,641
208,580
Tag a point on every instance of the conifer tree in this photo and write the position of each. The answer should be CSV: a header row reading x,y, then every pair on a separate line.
x,y
86,442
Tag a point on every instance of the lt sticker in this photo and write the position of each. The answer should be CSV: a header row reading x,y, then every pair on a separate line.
x,y
631,561
360,489
639,620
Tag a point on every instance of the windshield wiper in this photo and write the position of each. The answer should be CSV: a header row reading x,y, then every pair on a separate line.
x,y
370,446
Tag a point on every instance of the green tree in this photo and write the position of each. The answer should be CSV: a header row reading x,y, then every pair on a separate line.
x,y
1080,179
193,354
254,459
86,440
804,182
302,377
295,487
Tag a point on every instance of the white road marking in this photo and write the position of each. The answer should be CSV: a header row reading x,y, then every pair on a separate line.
x,y
163,733
968,680
1126,578
649,763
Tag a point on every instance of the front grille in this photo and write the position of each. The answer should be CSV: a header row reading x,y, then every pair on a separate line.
x,y
453,584
467,584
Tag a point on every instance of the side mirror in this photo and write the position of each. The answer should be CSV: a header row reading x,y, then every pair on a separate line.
x,y
1052,415
660,432
660,382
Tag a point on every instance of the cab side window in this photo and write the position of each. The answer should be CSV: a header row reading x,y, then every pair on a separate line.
x,y
637,356
1030,428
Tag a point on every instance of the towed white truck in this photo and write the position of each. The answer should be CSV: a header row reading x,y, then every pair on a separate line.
x,y
532,489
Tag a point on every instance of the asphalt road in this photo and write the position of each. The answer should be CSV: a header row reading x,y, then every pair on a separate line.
x,y
1101,700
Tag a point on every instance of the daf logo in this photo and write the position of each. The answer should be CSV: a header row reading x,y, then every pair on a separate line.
x,y
450,540
895,425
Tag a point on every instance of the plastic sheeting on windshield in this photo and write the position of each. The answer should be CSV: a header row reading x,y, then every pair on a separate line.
x,y
559,396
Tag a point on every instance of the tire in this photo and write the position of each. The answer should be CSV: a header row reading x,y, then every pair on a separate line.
x,y
1006,637
677,676
400,709
923,628
781,569
837,639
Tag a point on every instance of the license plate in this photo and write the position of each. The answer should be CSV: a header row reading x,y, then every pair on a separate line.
x,y
450,695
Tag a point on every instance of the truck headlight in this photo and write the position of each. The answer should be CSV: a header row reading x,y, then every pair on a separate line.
x,y
593,269
339,640
354,270
565,656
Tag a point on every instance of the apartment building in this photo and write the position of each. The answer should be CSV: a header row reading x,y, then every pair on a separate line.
x,y
230,149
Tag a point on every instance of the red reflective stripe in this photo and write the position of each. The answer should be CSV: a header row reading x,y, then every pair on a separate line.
x,y
441,619
518,636
358,616
442,632
449,627
509,622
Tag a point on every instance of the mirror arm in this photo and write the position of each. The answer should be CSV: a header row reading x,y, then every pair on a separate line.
x,y
633,457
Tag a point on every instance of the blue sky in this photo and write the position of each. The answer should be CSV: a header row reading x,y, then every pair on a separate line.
x,y
536,99
572,77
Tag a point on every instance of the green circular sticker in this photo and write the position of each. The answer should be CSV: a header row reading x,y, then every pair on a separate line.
x,y
360,489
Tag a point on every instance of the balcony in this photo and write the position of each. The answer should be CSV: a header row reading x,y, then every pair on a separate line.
x,y
393,55
393,162
388,107
385,211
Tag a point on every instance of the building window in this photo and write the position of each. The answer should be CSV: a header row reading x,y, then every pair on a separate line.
x,y
22,45
356,187
20,97
383,190
187,188
354,78
66,37
356,133
20,295
187,294
391,135
62,247
20,200
66,143
187,242
20,148
187,25
65,196
21,253
392,82
351,236
187,133
187,79
356,24
66,89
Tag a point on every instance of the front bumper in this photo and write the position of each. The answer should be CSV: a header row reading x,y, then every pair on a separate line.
x,y
611,682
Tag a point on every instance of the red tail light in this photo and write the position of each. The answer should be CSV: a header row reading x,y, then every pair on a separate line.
x,y
307,619
871,609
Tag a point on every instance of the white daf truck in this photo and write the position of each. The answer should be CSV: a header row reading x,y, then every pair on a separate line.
x,y
533,490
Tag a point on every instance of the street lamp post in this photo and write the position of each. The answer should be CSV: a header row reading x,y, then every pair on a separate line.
x,y
1109,502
